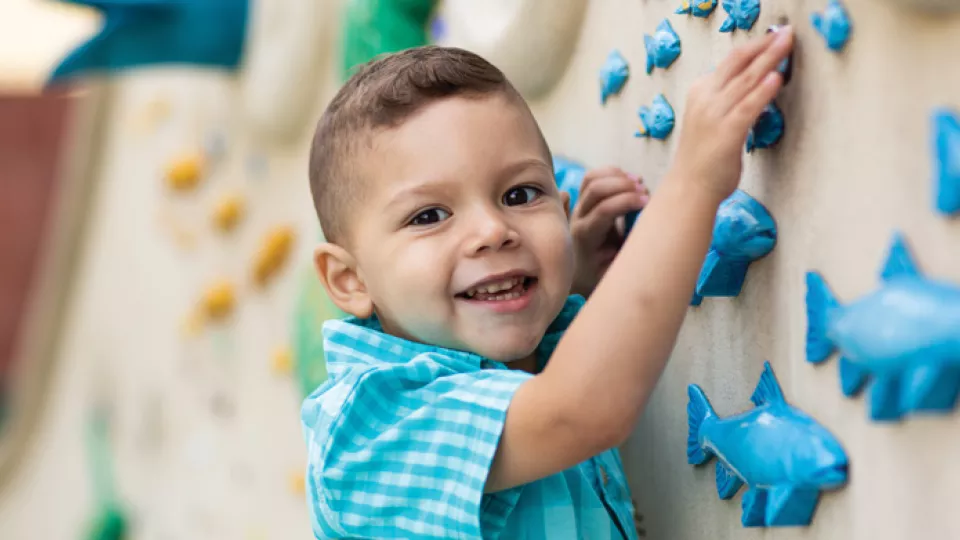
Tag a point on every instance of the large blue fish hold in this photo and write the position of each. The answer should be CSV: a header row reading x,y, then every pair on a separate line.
x,y
783,455
743,232
904,338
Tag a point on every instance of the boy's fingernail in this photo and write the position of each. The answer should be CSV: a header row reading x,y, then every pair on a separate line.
x,y
783,34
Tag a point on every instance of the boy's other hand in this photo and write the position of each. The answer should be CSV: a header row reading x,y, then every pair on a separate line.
x,y
597,225
721,108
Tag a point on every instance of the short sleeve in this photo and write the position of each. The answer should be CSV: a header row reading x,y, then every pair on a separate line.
x,y
405,450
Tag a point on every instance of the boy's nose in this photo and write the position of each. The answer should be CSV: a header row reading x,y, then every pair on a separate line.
x,y
491,233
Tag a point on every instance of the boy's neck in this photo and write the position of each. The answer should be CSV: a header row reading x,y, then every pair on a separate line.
x,y
528,364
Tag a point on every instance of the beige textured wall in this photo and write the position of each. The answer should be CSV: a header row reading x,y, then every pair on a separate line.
x,y
852,166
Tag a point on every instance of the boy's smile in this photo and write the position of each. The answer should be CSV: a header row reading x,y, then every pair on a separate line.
x,y
461,239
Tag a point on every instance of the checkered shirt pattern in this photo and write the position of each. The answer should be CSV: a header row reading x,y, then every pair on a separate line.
x,y
401,436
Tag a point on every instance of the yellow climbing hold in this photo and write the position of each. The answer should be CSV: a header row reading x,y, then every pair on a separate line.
x,y
298,483
282,360
219,301
184,174
273,254
228,211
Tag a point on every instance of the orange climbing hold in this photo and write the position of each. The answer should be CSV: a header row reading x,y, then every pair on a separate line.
x,y
282,362
219,301
228,212
184,174
273,254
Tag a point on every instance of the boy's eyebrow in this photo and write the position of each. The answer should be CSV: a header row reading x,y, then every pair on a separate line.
x,y
431,187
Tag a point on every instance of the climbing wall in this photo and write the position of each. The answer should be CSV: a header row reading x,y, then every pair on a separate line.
x,y
193,325
854,165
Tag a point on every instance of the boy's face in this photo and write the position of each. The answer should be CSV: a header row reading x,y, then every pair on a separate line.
x,y
461,239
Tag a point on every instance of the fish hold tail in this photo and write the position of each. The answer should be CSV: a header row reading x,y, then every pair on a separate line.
x,y
698,410
650,46
946,141
721,277
820,301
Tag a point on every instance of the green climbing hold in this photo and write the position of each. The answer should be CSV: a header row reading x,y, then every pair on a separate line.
x,y
375,27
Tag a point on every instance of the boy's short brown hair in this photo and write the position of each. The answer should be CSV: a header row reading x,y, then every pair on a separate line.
x,y
381,95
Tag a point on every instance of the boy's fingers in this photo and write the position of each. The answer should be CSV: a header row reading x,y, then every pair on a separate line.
x,y
750,107
602,172
597,224
741,57
601,188
763,64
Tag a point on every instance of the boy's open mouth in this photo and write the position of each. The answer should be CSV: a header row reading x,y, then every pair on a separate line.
x,y
499,289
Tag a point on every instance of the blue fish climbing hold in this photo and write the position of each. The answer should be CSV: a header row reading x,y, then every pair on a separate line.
x,y
741,14
833,25
138,33
697,8
657,120
613,75
743,232
569,175
767,130
946,166
663,47
905,337
783,455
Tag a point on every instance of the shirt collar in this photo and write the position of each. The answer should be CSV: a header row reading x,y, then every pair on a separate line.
x,y
370,331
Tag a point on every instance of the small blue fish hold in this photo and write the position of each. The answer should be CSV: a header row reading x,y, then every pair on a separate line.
x,y
743,232
139,33
833,25
946,166
657,120
767,130
697,8
613,75
663,47
569,175
741,14
784,456
903,338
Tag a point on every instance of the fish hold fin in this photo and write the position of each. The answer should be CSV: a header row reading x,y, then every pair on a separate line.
x,y
820,300
790,507
816,21
768,390
754,507
852,377
698,410
899,262
885,402
931,387
728,483
721,277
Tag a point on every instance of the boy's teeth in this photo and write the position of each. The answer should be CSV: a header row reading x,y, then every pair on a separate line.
x,y
493,288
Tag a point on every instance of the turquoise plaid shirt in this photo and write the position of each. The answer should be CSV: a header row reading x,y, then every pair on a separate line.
x,y
401,436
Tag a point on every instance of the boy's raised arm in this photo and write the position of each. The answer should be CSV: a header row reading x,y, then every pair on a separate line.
x,y
603,371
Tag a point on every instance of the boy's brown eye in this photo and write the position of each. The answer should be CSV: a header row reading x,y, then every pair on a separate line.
x,y
521,195
430,216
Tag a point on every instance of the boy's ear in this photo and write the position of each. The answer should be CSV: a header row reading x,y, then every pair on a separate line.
x,y
565,197
337,270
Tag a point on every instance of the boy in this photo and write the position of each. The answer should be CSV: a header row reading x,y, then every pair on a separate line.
x,y
451,247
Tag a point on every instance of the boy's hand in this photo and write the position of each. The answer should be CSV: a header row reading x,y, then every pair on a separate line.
x,y
596,223
721,108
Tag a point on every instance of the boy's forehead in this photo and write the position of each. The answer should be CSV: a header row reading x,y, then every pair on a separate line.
x,y
451,139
